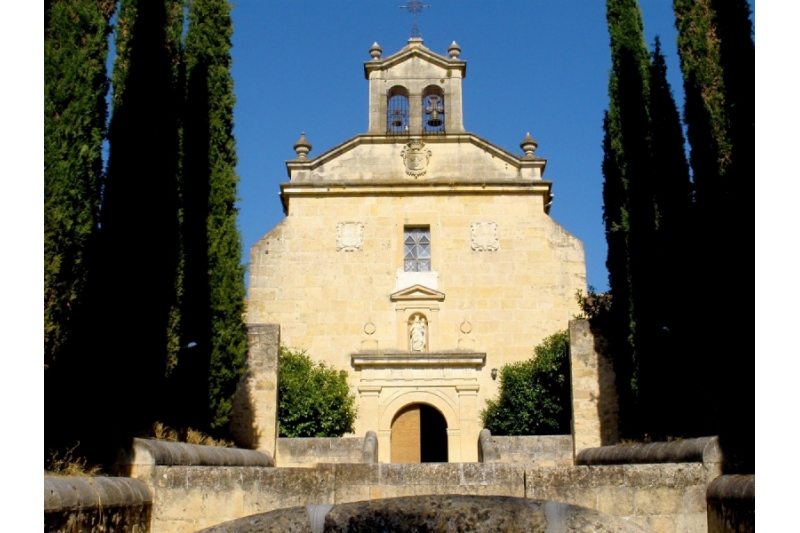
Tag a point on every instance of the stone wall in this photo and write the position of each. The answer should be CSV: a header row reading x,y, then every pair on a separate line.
x,y
541,450
309,452
703,450
89,504
254,421
668,498
595,404
732,504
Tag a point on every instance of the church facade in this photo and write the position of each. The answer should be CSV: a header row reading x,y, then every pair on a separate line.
x,y
418,257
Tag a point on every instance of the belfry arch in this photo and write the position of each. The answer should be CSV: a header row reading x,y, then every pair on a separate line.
x,y
397,113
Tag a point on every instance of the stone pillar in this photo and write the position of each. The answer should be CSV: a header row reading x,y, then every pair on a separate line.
x,y
468,419
454,446
454,120
369,410
433,329
385,446
254,421
377,104
595,405
415,114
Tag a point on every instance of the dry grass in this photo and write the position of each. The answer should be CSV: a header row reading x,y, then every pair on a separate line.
x,y
190,436
161,432
69,465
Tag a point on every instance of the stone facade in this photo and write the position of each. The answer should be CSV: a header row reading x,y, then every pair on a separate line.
x,y
503,275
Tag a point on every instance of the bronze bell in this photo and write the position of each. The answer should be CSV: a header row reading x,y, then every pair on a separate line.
x,y
434,121
397,121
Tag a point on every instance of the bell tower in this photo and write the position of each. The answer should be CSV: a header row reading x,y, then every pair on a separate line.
x,y
415,92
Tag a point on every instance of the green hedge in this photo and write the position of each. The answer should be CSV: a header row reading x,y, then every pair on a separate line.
x,y
534,397
314,400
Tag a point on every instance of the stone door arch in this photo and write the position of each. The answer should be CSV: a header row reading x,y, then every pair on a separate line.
x,y
403,400
419,435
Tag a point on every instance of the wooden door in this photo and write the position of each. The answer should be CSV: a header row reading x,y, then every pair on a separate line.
x,y
406,436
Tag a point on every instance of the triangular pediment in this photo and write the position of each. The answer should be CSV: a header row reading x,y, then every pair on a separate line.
x,y
346,160
418,51
417,293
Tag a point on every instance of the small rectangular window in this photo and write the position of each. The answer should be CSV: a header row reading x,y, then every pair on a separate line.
x,y
417,249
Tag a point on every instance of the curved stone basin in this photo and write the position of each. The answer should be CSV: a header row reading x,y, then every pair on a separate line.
x,y
433,514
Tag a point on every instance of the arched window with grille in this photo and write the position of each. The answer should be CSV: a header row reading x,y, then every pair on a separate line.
x,y
433,110
397,111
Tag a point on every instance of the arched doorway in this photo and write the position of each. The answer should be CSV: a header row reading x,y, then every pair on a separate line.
x,y
419,435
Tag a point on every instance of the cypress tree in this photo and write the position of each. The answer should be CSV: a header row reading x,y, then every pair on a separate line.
x,y
615,218
214,276
136,298
672,252
75,51
76,47
715,43
628,129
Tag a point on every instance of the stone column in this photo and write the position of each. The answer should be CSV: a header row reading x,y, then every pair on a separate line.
x,y
254,421
595,405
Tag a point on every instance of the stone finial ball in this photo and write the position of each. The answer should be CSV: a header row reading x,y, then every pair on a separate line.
x,y
375,51
302,146
454,50
528,145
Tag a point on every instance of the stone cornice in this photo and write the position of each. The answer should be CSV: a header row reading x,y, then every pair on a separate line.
x,y
367,188
453,358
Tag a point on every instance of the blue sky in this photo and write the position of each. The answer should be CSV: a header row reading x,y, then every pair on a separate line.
x,y
534,65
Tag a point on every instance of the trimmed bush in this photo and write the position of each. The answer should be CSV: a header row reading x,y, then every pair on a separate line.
x,y
314,400
534,397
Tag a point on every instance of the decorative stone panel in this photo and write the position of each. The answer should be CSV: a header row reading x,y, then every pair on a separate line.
x,y
484,236
415,157
349,237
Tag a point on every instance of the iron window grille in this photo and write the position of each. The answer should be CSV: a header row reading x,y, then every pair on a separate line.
x,y
417,250
397,112
433,113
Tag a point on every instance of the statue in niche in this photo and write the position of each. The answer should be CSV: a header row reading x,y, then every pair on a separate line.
x,y
418,334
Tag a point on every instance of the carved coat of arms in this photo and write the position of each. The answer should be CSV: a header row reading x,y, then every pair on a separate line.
x,y
484,236
349,236
415,156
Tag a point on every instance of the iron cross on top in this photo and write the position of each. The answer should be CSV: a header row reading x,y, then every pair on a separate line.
x,y
414,7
